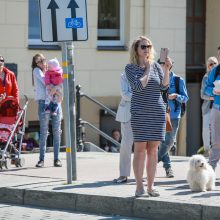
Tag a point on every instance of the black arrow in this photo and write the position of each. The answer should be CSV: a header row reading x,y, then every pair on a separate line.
x,y
53,6
73,5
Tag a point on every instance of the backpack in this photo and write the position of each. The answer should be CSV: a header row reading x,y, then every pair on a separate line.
x,y
183,105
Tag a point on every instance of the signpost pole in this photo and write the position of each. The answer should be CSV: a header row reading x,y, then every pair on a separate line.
x,y
66,112
72,105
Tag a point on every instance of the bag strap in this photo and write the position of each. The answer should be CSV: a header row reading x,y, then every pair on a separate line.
x,y
177,84
217,72
177,88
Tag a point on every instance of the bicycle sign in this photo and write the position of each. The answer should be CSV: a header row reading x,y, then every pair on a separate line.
x,y
74,22
63,20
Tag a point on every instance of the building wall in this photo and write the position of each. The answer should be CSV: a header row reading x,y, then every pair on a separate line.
x,y
212,27
98,72
166,26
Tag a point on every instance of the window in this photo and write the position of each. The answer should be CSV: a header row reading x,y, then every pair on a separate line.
x,y
110,22
34,25
195,38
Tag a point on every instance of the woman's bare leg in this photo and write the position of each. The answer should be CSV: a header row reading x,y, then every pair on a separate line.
x,y
138,163
152,149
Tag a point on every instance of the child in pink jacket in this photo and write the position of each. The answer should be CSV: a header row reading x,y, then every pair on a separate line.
x,y
54,86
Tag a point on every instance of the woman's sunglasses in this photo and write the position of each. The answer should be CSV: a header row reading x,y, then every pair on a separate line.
x,y
143,47
41,61
212,64
2,60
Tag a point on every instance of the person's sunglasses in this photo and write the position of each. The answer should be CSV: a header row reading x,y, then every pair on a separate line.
x,y
2,60
212,64
143,47
41,61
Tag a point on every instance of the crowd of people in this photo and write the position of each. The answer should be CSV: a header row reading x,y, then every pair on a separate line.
x,y
141,112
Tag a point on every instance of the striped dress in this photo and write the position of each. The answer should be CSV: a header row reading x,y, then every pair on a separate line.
x,y
148,111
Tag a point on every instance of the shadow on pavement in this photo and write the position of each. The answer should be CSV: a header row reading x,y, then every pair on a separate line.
x,y
87,185
206,195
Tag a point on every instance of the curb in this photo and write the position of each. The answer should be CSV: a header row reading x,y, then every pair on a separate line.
x,y
109,205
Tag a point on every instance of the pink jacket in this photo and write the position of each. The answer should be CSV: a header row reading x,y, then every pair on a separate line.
x,y
54,77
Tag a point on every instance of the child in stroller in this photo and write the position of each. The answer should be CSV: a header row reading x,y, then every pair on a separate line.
x,y
12,125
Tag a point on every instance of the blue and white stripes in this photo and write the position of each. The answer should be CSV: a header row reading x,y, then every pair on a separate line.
x,y
147,106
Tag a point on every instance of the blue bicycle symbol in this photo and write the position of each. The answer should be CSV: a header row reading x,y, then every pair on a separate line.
x,y
74,22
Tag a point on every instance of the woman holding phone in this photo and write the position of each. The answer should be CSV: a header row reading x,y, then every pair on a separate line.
x,y
148,112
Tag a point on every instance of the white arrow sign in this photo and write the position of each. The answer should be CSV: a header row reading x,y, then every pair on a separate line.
x,y
63,20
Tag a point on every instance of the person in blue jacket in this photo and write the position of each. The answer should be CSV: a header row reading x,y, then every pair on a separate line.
x,y
214,91
211,63
174,102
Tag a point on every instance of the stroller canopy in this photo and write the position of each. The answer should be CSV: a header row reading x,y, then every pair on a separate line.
x,y
9,107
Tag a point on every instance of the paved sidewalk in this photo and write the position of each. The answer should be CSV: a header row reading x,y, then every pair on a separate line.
x,y
21,212
94,191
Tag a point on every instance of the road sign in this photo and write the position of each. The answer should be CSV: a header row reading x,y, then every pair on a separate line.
x,y
63,20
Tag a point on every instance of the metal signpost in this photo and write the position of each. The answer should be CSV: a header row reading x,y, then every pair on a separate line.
x,y
63,21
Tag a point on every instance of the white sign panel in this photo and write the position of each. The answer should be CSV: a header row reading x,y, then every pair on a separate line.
x,y
63,20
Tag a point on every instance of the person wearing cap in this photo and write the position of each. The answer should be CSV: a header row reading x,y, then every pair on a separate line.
x,y
39,67
54,86
174,101
8,83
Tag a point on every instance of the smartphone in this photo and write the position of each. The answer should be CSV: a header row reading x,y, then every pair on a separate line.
x,y
163,54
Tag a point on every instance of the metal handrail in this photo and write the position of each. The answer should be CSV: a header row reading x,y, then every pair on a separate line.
x,y
80,124
99,103
101,133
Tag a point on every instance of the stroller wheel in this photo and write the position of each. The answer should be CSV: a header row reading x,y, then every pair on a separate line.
x,y
19,162
7,163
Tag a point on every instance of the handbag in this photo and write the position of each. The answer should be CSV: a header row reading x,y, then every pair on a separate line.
x,y
169,127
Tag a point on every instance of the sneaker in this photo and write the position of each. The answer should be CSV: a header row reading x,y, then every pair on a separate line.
x,y
153,193
121,179
169,172
206,153
57,163
40,163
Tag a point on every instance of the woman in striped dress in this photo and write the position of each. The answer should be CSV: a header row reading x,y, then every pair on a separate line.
x,y
148,112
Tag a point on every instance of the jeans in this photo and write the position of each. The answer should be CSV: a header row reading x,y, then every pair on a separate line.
x,y
56,129
206,130
214,156
170,138
52,107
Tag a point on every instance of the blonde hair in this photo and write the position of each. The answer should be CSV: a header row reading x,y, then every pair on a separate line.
x,y
210,59
134,46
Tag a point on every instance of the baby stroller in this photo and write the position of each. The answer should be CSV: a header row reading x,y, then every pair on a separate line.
x,y
12,127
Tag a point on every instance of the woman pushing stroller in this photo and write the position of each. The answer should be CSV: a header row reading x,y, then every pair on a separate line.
x,y
8,82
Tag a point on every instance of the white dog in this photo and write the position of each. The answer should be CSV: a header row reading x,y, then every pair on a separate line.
x,y
200,176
